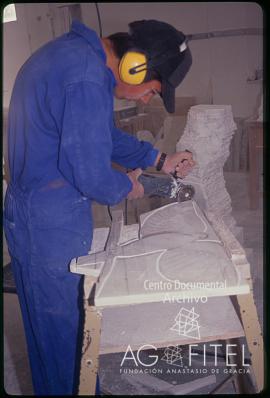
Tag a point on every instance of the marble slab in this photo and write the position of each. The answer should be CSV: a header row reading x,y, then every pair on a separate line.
x,y
173,253
136,325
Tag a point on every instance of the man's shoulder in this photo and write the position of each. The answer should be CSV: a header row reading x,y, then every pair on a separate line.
x,y
69,59
85,63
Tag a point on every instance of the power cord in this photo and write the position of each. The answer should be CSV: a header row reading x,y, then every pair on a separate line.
x,y
99,20
109,212
125,210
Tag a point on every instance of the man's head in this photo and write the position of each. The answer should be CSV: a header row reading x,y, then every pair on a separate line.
x,y
153,57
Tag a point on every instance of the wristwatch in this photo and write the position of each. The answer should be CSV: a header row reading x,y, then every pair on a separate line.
x,y
161,161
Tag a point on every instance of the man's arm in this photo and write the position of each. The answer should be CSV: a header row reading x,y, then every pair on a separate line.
x,y
131,153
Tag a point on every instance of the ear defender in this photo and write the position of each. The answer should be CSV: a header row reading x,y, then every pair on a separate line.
x,y
133,68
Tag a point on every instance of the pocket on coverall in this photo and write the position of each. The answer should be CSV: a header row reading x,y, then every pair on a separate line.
x,y
15,225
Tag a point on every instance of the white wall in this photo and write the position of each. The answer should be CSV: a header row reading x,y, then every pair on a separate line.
x,y
220,67
21,38
16,49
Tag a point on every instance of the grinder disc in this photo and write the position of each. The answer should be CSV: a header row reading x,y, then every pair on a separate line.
x,y
185,192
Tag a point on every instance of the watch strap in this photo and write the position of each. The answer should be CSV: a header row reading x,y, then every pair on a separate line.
x,y
161,161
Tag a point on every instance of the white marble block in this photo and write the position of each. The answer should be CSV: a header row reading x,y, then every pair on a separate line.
x,y
207,135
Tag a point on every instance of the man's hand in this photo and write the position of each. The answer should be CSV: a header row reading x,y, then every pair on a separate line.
x,y
137,190
181,162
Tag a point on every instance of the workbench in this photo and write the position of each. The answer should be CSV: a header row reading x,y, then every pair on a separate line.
x,y
178,276
122,311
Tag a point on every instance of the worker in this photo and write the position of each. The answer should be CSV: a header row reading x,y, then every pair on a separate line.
x,y
61,143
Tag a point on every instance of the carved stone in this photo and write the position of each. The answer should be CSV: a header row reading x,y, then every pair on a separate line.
x,y
207,135
175,253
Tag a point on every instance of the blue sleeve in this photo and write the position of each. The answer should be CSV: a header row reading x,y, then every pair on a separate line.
x,y
129,152
86,145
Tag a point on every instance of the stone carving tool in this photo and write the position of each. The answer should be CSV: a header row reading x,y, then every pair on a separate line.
x,y
166,187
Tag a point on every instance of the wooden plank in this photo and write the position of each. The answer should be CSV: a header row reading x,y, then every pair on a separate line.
x,y
90,350
254,337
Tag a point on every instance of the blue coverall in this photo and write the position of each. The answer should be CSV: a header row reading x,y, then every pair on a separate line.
x,y
62,140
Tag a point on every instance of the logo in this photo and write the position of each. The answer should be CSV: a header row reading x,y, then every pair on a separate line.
x,y
129,356
186,324
172,355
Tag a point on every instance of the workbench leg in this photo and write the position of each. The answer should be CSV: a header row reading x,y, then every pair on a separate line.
x,y
90,350
243,383
254,337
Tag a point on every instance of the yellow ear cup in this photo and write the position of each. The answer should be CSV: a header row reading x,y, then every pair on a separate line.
x,y
130,60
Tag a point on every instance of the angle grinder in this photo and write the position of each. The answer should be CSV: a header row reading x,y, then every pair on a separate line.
x,y
166,187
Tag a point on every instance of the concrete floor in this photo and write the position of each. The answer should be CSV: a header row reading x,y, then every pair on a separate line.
x,y
17,379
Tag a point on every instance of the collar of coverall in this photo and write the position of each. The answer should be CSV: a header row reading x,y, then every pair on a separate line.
x,y
91,36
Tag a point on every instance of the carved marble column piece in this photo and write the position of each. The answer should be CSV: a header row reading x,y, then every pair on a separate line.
x,y
208,134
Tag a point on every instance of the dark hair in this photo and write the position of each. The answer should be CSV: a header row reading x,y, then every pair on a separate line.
x,y
122,42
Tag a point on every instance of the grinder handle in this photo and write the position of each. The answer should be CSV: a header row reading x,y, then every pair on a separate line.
x,y
160,186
